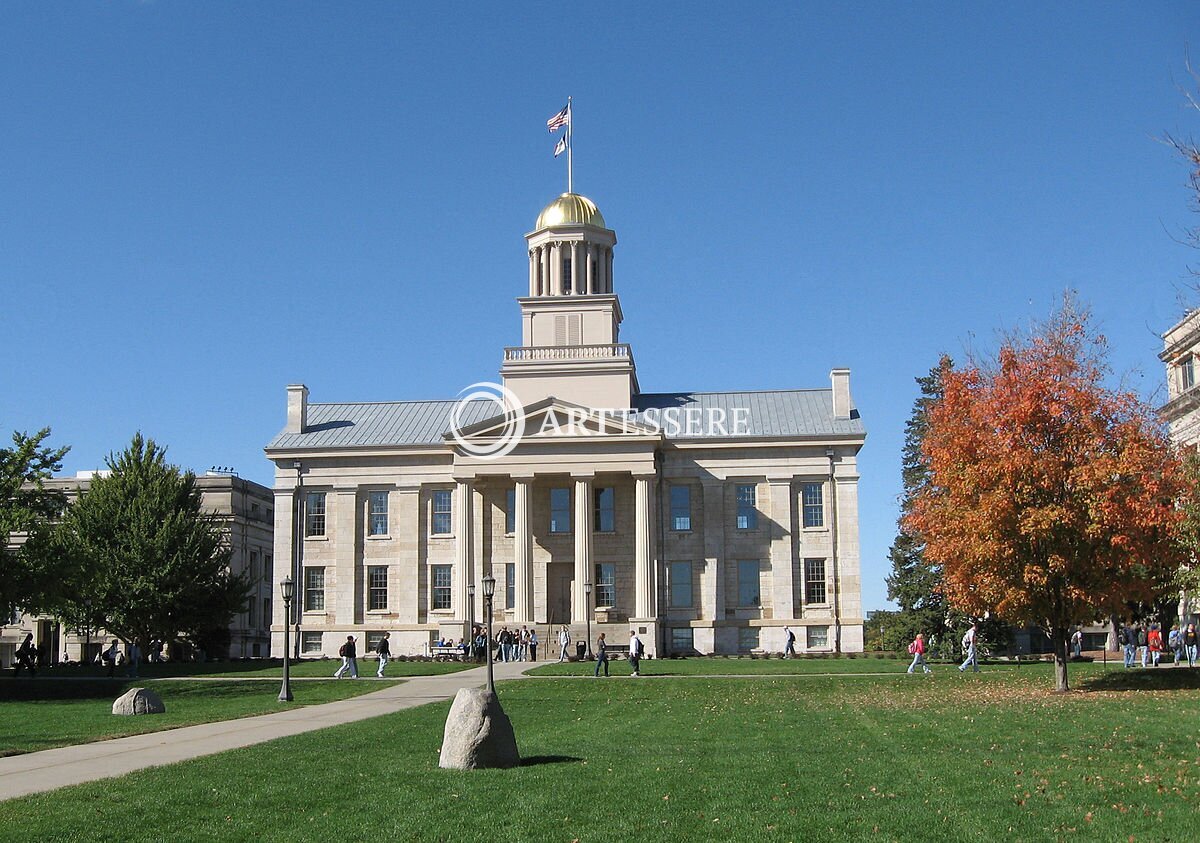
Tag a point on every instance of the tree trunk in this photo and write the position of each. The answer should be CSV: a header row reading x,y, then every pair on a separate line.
x,y
1059,640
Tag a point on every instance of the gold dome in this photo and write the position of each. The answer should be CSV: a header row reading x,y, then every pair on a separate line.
x,y
570,209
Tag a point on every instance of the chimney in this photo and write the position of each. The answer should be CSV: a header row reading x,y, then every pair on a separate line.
x,y
297,418
841,393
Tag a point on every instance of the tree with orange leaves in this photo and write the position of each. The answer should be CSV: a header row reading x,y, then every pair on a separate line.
x,y
1051,498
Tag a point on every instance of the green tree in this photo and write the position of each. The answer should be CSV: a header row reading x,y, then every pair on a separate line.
x,y
29,575
914,584
157,565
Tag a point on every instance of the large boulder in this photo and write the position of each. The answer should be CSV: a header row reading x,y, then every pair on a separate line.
x,y
479,734
139,701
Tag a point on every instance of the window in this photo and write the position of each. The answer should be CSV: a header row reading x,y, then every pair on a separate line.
x,y
814,580
747,514
314,514
372,641
268,568
606,584
605,516
566,275
679,576
747,639
560,510
377,587
818,637
813,496
267,612
510,511
310,643
314,589
748,588
682,640
254,567
681,508
1187,373
442,579
377,517
252,613
442,507
510,585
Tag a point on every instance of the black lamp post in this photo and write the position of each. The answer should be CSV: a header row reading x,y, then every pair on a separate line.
x,y
587,591
471,619
288,588
489,591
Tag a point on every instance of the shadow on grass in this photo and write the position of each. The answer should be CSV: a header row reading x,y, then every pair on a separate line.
x,y
535,760
1145,679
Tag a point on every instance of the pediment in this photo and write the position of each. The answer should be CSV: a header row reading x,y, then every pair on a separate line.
x,y
553,419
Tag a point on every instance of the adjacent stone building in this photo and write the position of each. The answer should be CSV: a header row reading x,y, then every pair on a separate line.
x,y
1181,350
707,521
246,512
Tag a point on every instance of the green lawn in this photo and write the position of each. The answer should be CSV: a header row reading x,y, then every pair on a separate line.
x,y
995,756
47,713
252,668
737,666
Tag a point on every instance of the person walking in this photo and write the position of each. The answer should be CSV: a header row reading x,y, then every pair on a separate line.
x,y
111,656
789,642
1129,643
135,656
1143,641
968,644
1190,639
917,650
1154,638
26,657
384,649
601,656
533,642
1175,642
1077,643
349,654
635,652
564,641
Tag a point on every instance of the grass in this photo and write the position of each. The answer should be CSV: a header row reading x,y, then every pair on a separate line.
x,y
257,668
47,713
893,757
737,666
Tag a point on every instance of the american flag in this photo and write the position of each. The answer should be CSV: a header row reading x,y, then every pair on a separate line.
x,y
563,118
561,146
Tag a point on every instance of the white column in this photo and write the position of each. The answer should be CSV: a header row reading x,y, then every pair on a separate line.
x,y
712,582
348,600
589,257
643,552
523,553
576,276
782,554
555,261
463,569
583,549
284,560
533,265
544,256
608,270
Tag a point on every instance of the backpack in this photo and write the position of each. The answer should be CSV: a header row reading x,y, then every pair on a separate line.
x,y
912,648
342,651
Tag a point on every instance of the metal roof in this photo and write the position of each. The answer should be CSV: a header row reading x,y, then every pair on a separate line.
x,y
782,413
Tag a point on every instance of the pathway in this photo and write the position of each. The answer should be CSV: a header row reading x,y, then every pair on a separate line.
x,y
36,772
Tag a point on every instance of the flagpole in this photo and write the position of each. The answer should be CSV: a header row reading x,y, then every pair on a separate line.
x,y
570,154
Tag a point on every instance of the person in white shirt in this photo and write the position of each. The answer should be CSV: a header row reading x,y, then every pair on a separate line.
x,y
635,651
968,643
564,641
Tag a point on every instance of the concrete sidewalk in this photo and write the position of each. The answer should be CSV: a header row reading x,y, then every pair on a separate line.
x,y
36,772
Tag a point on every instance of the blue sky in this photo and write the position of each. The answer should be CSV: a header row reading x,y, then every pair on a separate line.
x,y
203,202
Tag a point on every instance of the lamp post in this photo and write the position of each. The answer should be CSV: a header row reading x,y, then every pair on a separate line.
x,y
471,618
587,590
288,589
489,591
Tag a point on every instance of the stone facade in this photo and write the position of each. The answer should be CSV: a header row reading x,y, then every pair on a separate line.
x,y
246,511
1181,356
706,521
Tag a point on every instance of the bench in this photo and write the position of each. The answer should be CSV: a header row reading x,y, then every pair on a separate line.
x,y
445,652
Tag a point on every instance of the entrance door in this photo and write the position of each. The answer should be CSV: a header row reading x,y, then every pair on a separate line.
x,y
559,576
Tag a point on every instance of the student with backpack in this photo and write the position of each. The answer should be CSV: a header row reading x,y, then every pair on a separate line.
x,y
1175,642
917,650
349,654
635,651
384,649
1154,637
968,644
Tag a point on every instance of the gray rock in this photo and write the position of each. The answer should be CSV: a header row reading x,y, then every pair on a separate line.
x,y
479,734
139,701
